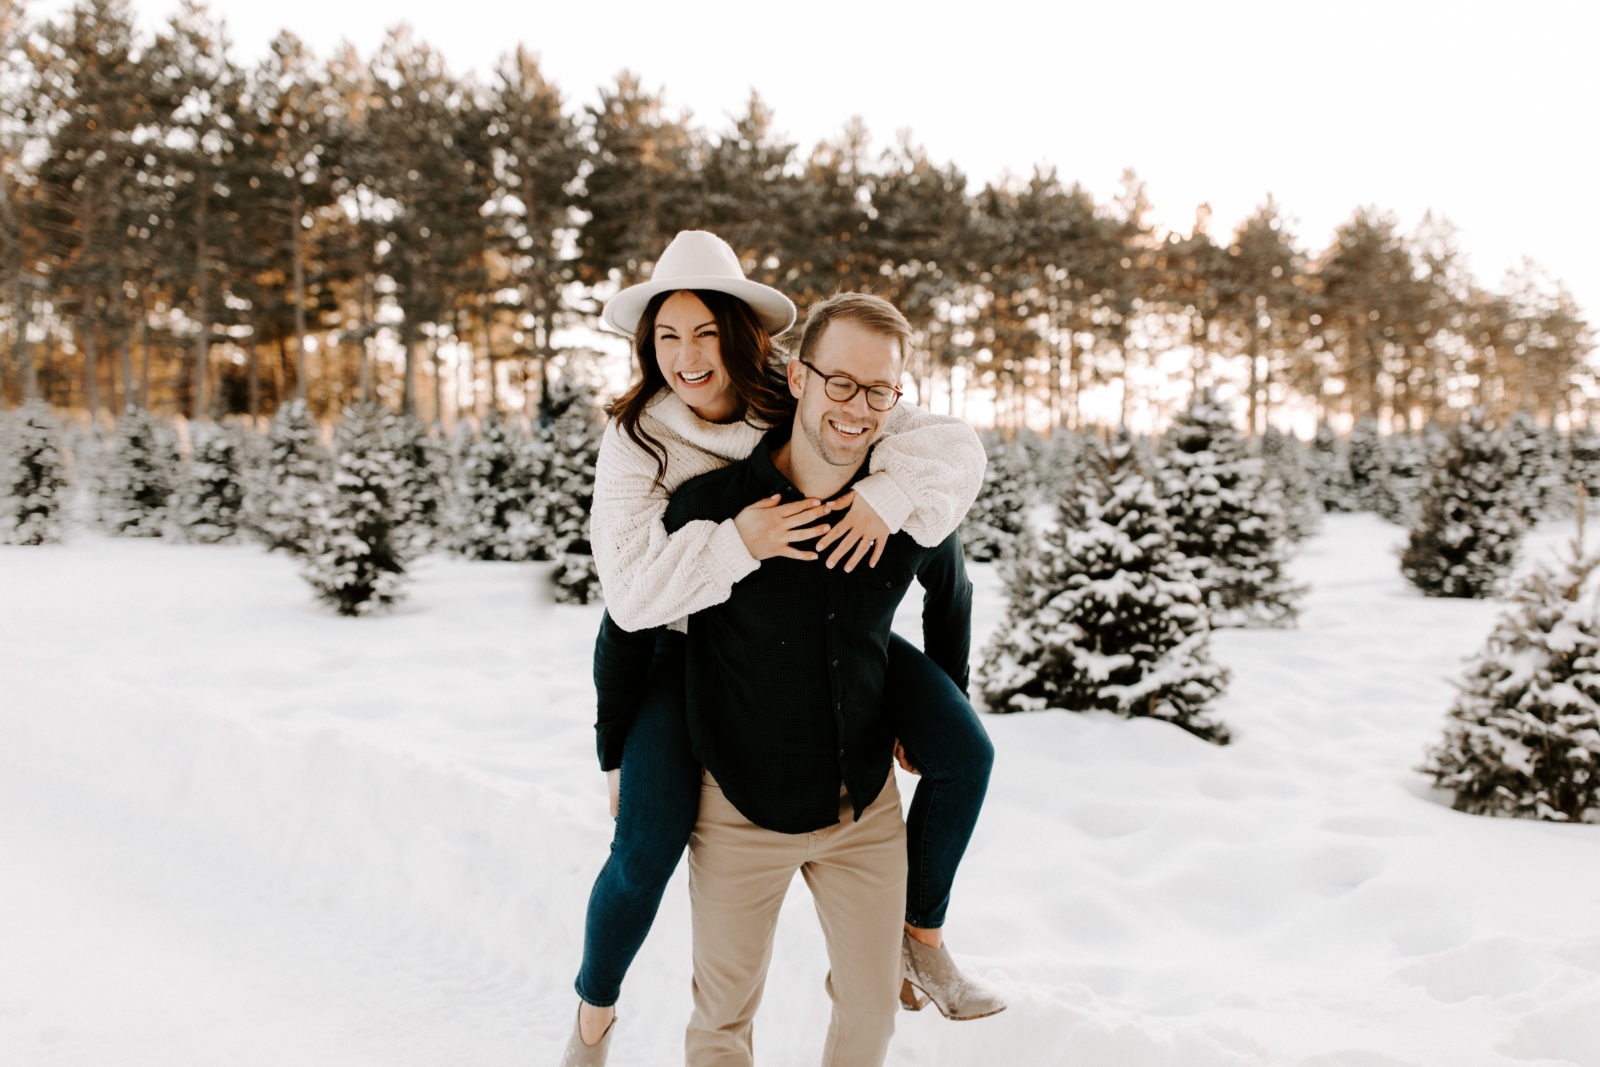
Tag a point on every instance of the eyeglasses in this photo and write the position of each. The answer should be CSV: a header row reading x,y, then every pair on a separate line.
x,y
841,387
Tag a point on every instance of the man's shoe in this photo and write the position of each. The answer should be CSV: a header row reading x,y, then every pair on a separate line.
x,y
933,972
580,1055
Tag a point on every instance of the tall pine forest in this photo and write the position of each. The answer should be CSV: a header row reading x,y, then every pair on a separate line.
x,y
191,233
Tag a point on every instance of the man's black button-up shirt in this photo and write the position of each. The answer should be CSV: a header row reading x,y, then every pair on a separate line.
x,y
785,678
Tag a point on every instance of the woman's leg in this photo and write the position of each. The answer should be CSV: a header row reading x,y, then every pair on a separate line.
x,y
945,741
659,802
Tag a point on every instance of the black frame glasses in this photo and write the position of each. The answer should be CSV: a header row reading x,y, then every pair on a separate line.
x,y
841,388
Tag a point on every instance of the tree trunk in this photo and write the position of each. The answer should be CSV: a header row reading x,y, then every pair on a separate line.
x,y
1122,415
298,272
284,371
1253,350
202,345
408,386
91,365
23,302
130,395
252,374
438,384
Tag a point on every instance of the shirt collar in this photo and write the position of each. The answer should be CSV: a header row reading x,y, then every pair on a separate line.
x,y
767,472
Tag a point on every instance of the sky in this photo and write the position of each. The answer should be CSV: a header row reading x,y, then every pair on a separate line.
x,y
1484,112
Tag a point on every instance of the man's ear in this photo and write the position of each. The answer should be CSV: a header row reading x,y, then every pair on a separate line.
x,y
797,377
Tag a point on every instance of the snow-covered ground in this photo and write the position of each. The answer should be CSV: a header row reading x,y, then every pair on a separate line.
x,y
237,830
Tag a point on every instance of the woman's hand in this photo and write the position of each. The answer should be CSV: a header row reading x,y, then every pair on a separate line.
x,y
904,760
614,788
769,528
860,530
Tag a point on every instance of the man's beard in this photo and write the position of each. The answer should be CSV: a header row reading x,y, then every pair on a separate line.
x,y
824,443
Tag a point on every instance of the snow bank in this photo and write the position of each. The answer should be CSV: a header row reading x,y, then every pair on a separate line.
x,y
250,831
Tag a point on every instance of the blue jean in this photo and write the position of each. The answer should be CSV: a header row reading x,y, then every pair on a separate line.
x,y
660,796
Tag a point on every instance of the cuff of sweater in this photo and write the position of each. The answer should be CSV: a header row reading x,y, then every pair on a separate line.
x,y
608,745
885,498
729,552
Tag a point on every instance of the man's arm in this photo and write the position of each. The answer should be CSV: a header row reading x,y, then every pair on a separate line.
x,y
947,609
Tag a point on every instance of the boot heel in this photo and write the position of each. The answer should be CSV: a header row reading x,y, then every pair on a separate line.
x,y
911,999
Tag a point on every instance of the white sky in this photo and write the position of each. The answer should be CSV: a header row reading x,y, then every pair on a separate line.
x,y
1487,112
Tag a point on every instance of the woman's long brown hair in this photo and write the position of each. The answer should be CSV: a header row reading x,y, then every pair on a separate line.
x,y
753,361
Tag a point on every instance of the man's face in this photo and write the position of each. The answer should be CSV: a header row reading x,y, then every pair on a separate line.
x,y
841,433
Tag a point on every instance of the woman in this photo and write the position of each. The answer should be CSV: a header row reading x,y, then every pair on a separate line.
x,y
710,384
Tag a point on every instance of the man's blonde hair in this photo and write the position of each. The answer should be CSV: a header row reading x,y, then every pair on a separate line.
x,y
872,312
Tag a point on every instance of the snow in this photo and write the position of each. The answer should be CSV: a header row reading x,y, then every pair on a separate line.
x,y
238,829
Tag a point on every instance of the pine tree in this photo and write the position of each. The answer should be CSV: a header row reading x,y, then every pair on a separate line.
x,y
32,477
1558,492
568,494
493,518
280,489
1329,465
1369,463
533,527
1397,495
1583,458
1535,485
1107,617
1286,477
1467,530
999,514
355,559
1523,737
1032,459
1230,530
210,498
422,500
137,480
1062,470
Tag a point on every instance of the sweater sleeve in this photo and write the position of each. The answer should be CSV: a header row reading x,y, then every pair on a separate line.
x,y
651,578
925,473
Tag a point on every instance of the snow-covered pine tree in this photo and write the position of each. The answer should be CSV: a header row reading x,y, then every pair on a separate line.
x,y
1107,616
137,477
32,476
568,491
534,529
1329,467
1397,496
279,489
1285,476
999,514
1531,465
1077,483
1063,462
1583,459
1559,493
354,557
209,502
1523,737
1232,533
422,501
1034,455
1369,463
493,506
1465,538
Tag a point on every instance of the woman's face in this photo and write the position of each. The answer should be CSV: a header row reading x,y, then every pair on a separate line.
x,y
689,353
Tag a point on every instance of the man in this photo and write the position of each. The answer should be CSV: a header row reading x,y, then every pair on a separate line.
x,y
786,710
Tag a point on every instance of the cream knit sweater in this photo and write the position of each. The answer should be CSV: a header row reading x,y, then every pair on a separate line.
x,y
925,473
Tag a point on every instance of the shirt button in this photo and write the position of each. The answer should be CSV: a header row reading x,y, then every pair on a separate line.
x,y
835,663
836,707
830,615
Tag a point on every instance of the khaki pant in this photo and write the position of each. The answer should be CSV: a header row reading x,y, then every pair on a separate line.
x,y
738,875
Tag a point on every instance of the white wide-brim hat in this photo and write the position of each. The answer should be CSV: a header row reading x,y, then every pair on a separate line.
x,y
698,260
